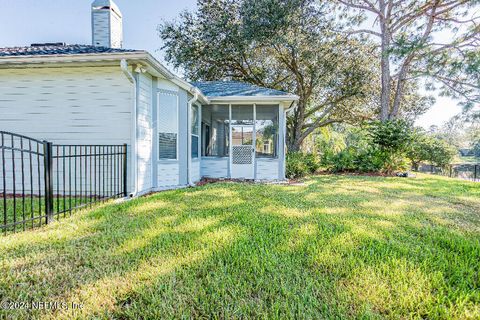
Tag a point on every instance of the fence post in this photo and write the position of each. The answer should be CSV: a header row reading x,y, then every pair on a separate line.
x,y
475,173
125,166
48,164
451,170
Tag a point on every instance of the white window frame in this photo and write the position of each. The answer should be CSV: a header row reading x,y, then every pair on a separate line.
x,y
199,124
159,93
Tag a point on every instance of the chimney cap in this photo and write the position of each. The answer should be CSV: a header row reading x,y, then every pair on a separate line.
x,y
106,4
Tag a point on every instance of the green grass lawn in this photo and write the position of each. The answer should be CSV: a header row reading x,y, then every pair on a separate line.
x,y
29,211
336,247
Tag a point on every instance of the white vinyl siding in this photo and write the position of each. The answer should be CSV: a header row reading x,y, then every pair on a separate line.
x,y
214,167
196,170
67,105
267,169
82,105
144,133
168,175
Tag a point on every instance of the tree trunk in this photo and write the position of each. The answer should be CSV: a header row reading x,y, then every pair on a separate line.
x,y
385,67
294,143
294,135
294,147
415,165
399,90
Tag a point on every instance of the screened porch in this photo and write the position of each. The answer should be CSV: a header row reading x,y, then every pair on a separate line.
x,y
242,141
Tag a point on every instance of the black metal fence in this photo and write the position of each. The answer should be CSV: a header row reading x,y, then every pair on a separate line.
x,y
464,171
41,181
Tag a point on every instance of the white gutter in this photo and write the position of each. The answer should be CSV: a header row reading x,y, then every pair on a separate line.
x,y
192,89
189,134
131,78
85,57
254,98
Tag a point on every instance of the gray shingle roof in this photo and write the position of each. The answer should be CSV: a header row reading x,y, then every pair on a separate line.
x,y
235,88
58,49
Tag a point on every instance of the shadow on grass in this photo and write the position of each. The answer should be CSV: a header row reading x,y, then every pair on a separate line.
x,y
336,247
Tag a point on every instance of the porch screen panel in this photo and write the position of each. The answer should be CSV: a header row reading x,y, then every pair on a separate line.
x,y
266,126
242,114
215,130
167,124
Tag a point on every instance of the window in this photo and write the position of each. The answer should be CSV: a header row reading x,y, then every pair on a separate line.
x,y
167,145
194,146
167,125
195,131
266,126
215,130
242,135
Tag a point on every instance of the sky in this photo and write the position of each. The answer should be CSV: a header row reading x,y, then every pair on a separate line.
x,y
23,22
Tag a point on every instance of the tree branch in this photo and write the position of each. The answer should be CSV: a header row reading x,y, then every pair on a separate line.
x,y
361,7
351,32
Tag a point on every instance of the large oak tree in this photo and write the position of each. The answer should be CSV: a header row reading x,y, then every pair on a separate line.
x,y
283,44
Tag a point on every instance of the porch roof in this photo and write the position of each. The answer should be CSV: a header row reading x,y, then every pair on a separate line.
x,y
228,89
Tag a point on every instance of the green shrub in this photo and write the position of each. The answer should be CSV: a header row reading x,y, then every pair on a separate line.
x,y
387,147
301,164
391,140
295,166
369,160
354,160
312,162
343,161
375,147
442,153
395,163
392,136
425,147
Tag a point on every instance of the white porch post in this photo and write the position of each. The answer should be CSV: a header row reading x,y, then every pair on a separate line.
x,y
200,135
230,141
254,142
282,124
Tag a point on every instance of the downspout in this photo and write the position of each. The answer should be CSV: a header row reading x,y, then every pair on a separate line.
x,y
131,78
189,139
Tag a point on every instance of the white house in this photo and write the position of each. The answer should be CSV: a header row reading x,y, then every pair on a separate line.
x,y
177,132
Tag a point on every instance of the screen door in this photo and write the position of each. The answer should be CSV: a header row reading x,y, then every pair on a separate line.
x,y
243,152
